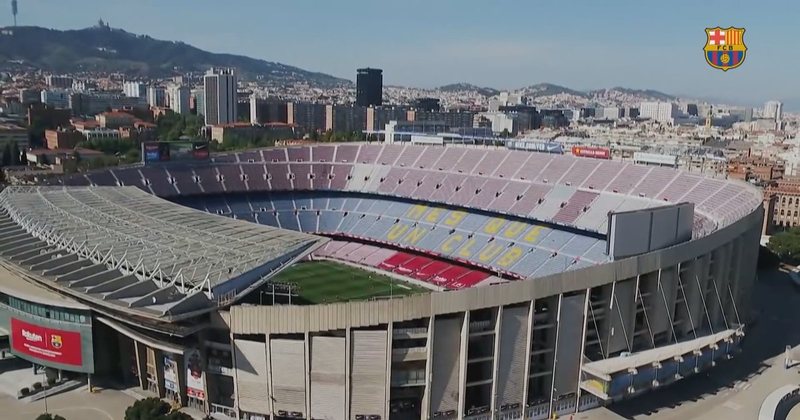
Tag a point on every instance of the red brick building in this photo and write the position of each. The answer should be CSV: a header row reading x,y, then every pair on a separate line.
x,y
754,168
62,139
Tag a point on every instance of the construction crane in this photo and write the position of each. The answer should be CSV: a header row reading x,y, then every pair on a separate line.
x,y
14,11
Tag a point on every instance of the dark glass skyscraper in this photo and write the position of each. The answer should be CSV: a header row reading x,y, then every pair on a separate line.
x,y
369,87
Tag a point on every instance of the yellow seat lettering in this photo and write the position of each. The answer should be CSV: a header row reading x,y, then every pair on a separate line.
x,y
533,234
396,231
514,229
494,225
510,257
454,218
415,235
416,211
465,250
490,251
433,215
449,244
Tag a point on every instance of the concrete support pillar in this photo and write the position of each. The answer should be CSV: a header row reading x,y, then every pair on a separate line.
x,y
348,351
555,356
462,365
528,344
388,355
141,364
307,338
496,358
159,359
426,397
269,378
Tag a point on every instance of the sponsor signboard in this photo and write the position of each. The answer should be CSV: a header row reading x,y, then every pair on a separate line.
x,y
46,344
194,375
536,146
150,152
170,373
591,152
174,151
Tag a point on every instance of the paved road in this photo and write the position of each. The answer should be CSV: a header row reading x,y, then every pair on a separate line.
x,y
733,389
77,404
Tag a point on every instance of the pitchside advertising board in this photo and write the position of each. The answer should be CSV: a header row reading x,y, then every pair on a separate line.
x,y
591,152
53,347
174,151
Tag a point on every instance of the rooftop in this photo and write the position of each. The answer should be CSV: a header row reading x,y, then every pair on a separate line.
x,y
157,255
14,284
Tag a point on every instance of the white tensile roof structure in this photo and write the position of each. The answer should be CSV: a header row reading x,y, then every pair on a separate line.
x,y
124,247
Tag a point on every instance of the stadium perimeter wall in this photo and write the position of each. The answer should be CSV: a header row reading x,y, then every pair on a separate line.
x,y
539,335
300,319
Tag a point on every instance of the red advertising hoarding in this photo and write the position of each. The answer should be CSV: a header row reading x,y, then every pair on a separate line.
x,y
46,344
591,152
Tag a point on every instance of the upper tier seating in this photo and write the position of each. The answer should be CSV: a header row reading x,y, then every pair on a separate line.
x,y
551,188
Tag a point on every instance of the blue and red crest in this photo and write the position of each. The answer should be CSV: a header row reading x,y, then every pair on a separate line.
x,y
725,48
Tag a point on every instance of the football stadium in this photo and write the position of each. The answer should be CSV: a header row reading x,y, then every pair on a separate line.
x,y
370,281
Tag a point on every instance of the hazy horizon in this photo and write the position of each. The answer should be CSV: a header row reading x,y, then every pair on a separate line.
x,y
502,45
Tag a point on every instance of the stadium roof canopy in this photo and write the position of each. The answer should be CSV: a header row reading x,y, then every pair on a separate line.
x,y
136,250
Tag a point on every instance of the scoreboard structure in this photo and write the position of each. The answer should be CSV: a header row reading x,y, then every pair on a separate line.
x,y
174,151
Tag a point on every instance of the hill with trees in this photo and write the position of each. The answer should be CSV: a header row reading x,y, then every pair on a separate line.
x,y
105,49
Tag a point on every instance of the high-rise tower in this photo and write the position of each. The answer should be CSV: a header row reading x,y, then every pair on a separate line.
x,y
219,86
14,11
369,87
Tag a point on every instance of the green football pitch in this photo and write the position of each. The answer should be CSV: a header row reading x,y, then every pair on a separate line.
x,y
328,281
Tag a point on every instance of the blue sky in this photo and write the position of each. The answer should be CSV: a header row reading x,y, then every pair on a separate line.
x,y
582,44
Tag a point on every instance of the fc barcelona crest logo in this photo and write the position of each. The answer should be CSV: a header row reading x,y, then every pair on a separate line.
x,y
725,47
55,341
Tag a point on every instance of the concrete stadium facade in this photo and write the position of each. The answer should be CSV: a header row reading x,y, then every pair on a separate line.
x,y
559,343
560,316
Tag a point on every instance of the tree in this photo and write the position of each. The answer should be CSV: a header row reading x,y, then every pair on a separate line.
x,y
786,244
153,409
50,417
192,124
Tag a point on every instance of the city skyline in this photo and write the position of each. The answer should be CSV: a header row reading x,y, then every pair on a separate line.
x,y
506,46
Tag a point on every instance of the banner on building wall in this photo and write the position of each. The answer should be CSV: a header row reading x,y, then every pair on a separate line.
x,y
170,373
46,344
194,375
